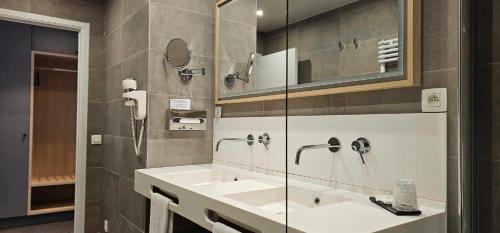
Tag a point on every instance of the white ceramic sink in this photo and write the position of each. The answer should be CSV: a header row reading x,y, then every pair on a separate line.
x,y
200,178
273,200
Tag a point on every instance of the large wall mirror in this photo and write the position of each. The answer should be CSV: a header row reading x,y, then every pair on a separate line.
x,y
321,47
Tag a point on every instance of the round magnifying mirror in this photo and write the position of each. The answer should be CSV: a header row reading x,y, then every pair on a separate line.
x,y
177,53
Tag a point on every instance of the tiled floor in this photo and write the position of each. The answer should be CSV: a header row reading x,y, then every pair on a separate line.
x,y
56,227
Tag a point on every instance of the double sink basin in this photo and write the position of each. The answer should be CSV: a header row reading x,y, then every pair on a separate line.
x,y
272,199
258,202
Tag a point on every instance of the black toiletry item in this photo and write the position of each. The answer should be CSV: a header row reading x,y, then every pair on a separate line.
x,y
391,209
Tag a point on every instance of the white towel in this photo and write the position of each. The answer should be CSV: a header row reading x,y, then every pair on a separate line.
x,y
160,218
221,228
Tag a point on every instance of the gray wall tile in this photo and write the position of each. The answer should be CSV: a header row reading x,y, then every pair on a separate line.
x,y
405,100
131,7
135,33
110,198
440,35
112,126
16,5
176,152
111,153
74,10
199,6
128,160
96,53
113,48
97,84
124,226
169,23
96,118
114,82
93,184
136,67
113,15
92,217
318,105
254,109
131,205
243,11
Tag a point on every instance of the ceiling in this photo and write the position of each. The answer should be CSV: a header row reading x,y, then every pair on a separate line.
x,y
275,11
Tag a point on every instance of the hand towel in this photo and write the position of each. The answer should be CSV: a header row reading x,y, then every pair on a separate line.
x,y
160,218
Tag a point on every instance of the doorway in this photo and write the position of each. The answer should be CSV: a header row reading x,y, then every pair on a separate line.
x,y
69,180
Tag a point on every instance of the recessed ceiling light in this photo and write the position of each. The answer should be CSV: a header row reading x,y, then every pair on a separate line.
x,y
259,13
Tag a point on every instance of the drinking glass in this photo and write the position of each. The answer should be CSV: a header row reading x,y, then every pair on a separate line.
x,y
405,195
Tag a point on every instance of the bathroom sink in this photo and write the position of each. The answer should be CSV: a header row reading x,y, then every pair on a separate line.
x,y
199,178
273,200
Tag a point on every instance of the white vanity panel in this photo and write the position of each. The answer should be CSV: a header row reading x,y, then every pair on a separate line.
x,y
403,146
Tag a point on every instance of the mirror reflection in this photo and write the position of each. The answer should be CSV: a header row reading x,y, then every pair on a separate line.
x,y
327,43
177,54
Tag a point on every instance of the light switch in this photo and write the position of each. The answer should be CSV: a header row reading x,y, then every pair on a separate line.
x,y
434,100
96,139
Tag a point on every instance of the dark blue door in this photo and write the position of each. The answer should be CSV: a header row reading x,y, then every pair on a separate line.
x,y
15,76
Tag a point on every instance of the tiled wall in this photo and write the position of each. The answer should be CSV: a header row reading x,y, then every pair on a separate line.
x,y
126,56
317,38
488,80
91,12
192,21
440,62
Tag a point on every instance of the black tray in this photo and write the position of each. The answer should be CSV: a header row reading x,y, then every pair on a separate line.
x,y
391,209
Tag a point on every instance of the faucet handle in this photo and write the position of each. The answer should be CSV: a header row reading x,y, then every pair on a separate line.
x,y
335,143
362,146
265,139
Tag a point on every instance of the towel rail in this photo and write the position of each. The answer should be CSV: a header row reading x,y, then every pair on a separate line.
x,y
213,217
170,196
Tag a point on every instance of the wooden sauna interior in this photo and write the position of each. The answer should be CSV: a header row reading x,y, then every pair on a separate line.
x,y
53,126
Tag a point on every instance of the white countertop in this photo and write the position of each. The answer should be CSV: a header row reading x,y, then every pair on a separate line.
x,y
354,213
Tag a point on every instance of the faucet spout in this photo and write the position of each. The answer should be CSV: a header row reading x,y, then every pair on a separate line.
x,y
249,139
333,145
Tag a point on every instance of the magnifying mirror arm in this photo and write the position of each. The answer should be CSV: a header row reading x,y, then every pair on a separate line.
x,y
245,79
187,74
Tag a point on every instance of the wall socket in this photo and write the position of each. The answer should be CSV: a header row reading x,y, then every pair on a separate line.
x,y
106,225
434,100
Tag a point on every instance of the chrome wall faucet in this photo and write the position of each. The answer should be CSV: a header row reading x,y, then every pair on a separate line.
x,y
333,145
249,139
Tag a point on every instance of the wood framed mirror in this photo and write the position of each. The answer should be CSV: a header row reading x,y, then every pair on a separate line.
x,y
318,48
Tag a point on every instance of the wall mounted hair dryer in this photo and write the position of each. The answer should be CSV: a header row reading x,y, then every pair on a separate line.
x,y
136,100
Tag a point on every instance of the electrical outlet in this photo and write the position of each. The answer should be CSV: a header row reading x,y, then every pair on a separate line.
x,y
106,225
434,100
